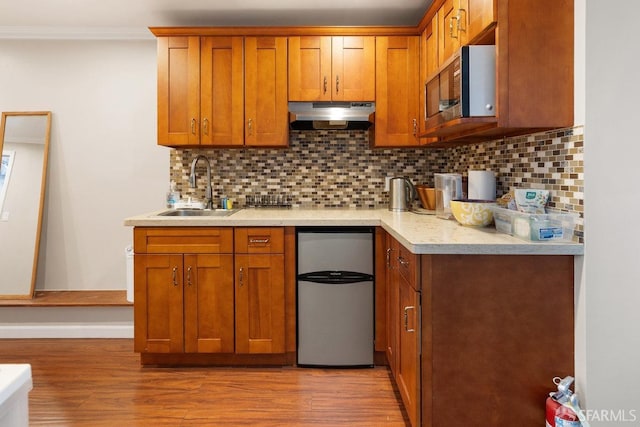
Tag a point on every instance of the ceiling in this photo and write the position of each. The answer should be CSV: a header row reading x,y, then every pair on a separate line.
x,y
131,18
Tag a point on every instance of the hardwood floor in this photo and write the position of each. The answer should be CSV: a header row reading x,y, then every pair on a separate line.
x,y
85,382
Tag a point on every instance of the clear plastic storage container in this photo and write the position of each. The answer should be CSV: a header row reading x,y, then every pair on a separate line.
x,y
551,226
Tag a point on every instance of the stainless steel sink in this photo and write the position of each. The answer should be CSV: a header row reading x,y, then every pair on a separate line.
x,y
198,212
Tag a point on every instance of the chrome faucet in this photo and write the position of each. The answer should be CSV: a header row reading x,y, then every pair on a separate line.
x,y
192,179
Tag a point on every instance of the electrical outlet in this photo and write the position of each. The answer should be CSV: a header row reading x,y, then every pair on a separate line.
x,y
387,180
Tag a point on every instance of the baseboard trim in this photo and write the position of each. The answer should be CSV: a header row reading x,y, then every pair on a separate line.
x,y
65,331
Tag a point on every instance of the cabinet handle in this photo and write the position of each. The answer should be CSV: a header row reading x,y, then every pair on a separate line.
x,y
189,276
193,126
337,84
406,318
461,21
389,257
415,127
458,19
205,126
324,86
175,276
241,276
250,126
259,240
402,261
453,18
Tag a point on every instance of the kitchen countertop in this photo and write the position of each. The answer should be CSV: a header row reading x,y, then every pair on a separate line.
x,y
421,234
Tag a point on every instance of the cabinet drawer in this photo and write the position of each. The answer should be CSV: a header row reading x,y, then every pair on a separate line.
x,y
259,240
192,240
408,266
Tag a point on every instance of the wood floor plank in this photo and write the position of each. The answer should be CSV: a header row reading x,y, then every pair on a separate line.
x,y
97,383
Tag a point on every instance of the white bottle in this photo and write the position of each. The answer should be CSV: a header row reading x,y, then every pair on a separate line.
x,y
173,196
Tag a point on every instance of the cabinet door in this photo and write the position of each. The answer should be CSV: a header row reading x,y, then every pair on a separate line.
x,y
481,15
452,28
428,67
158,306
266,108
178,91
208,303
260,303
397,91
353,66
222,91
309,68
408,368
393,302
430,63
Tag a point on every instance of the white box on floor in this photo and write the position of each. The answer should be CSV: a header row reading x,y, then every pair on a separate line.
x,y
15,385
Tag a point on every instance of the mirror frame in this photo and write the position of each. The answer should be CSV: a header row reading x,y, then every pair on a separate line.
x,y
43,183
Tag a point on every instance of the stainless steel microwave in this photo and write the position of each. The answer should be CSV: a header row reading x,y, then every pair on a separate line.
x,y
463,87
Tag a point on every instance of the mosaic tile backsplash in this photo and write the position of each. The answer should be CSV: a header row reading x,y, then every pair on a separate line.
x,y
338,169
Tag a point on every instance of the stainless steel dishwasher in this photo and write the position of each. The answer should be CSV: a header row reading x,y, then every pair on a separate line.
x,y
335,296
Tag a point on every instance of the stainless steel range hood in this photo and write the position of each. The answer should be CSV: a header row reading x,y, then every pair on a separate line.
x,y
331,115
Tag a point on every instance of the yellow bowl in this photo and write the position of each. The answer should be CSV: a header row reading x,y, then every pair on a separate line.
x,y
474,213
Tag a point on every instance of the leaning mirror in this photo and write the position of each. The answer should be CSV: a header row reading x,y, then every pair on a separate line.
x,y
24,143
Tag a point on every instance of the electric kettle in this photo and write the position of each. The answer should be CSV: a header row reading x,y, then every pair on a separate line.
x,y
401,194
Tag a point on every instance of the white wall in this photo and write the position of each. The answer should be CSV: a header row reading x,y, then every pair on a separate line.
x,y
104,161
612,209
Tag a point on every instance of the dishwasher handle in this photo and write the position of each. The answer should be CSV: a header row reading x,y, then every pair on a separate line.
x,y
335,277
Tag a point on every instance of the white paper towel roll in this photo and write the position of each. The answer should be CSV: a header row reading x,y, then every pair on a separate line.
x,y
482,185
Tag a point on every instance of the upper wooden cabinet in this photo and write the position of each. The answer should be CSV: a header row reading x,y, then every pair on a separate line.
x,y
200,91
397,92
178,91
481,14
323,68
222,91
266,108
534,65
459,22
428,66
452,28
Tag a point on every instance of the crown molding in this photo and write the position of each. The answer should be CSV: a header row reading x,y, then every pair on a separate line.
x,y
75,33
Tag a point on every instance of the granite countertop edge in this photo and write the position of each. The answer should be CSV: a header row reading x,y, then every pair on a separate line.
x,y
421,234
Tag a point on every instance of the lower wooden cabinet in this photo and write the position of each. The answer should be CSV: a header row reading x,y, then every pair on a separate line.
x,y
403,325
260,290
408,364
465,332
206,302
186,303
495,331
393,302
